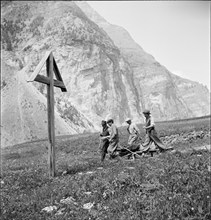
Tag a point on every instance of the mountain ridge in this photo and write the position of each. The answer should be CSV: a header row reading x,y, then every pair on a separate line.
x,y
142,61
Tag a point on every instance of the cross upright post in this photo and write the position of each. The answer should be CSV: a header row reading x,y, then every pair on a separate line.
x,y
51,68
50,105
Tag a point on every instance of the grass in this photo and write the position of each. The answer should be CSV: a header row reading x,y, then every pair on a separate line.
x,y
167,186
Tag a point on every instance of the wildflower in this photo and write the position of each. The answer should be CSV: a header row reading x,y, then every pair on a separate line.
x,y
104,195
49,208
88,206
89,172
106,207
68,201
64,173
60,211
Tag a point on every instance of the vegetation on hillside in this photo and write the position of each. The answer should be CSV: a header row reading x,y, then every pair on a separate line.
x,y
167,186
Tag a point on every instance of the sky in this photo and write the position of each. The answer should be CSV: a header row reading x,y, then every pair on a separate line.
x,y
175,33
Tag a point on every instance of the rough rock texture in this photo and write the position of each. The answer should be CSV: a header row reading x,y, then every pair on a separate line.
x,y
167,95
104,70
24,110
97,77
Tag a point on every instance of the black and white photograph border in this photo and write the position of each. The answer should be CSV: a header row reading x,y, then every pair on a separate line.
x,y
105,110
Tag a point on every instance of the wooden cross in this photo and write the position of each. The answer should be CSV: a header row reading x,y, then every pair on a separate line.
x,y
51,68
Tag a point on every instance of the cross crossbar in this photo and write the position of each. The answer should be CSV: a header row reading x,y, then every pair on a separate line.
x,y
42,79
58,75
46,80
39,67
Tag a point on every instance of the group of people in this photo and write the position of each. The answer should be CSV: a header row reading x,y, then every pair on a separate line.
x,y
109,137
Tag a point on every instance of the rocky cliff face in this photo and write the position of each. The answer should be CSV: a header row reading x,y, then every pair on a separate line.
x,y
95,74
167,95
23,109
104,70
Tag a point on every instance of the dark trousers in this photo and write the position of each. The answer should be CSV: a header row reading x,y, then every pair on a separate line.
x,y
104,147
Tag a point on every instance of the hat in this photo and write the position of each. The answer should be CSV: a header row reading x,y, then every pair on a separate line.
x,y
110,120
103,122
128,119
146,111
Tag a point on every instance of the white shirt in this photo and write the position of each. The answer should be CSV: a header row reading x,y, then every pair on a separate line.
x,y
152,121
133,129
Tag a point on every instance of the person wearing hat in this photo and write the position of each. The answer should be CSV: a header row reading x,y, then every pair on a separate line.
x,y
151,134
113,138
104,142
133,132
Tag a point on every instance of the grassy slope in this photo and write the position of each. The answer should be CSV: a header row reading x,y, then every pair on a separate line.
x,y
167,186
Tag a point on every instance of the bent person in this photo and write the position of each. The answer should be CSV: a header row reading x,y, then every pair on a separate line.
x,y
151,134
133,132
113,138
104,142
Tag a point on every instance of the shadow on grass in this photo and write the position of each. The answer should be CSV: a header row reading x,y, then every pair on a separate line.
x,y
22,155
11,156
88,164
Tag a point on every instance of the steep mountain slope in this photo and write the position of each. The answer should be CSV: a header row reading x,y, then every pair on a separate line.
x,y
104,70
23,110
96,76
174,97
